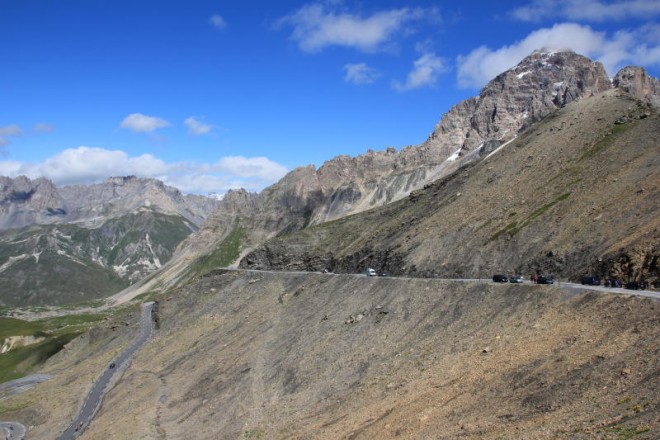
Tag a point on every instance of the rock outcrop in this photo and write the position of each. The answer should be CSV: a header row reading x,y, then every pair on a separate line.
x,y
635,81
24,201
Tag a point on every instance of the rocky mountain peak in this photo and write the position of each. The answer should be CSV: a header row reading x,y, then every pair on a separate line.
x,y
540,84
238,201
638,83
24,201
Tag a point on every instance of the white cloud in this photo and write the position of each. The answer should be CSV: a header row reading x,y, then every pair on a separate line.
x,y
360,73
315,27
424,73
244,167
587,10
43,128
217,21
197,128
143,123
10,168
84,165
483,64
9,130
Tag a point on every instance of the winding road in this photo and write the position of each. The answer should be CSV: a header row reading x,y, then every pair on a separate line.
x,y
558,283
100,386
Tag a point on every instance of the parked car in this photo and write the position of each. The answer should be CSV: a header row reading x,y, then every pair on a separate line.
x,y
499,278
590,280
612,282
634,285
382,274
544,280
515,279
371,272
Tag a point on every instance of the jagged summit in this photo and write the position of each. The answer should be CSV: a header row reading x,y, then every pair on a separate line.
x,y
514,101
540,84
24,201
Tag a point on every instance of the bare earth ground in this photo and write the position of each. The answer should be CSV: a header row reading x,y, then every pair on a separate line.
x,y
314,356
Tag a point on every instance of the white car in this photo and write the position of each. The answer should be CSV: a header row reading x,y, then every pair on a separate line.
x,y
371,272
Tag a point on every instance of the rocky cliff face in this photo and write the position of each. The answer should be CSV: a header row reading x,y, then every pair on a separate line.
x,y
121,195
634,80
24,202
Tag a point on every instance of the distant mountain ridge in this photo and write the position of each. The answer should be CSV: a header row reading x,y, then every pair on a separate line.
x,y
24,202
77,243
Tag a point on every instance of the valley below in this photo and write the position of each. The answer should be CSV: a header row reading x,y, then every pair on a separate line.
x,y
246,354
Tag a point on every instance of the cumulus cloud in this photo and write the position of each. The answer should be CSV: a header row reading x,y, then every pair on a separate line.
x,y
88,164
315,27
360,73
7,131
196,128
587,10
84,165
424,73
624,47
143,123
217,21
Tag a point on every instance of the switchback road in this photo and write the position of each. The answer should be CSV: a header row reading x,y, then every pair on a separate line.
x,y
99,388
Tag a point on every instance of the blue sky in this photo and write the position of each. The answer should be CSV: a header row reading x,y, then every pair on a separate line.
x,y
213,95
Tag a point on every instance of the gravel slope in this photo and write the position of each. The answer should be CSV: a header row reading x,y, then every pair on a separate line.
x,y
262,355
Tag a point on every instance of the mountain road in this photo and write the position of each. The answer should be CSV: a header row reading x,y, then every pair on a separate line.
x,y
100,387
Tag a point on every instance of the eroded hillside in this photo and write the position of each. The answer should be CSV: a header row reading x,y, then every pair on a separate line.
x,y
576,193
324,356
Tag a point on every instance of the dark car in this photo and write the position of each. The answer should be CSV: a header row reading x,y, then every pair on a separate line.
x,y
634,285
382,274
112,365
515,279
612,282
545,280
499,278
590,280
